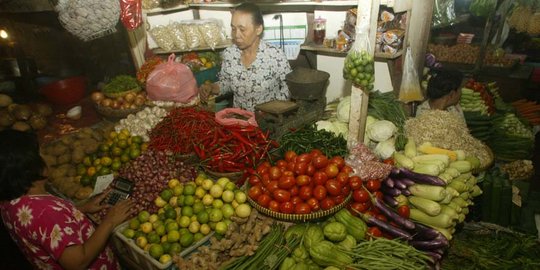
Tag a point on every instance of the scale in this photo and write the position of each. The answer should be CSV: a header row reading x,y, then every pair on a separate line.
x,y
308,100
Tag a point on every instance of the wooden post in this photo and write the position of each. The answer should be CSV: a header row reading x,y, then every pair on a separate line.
x,y
419,25
367,18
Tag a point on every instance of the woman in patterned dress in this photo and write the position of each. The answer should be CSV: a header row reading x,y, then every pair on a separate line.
x,y
51,232
252,69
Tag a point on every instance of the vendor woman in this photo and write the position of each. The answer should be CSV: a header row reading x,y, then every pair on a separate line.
x,y
253,70
443,92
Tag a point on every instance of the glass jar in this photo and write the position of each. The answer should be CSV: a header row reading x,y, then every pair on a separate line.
x,y
319,30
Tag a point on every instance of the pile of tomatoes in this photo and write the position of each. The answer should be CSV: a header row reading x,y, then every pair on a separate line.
x,y
301,183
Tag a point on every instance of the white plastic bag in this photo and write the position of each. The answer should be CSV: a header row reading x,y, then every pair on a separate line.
x,y
359,63
410,84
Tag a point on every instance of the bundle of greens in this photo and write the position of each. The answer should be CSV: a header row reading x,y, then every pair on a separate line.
x,y
121,83
385,106
307,138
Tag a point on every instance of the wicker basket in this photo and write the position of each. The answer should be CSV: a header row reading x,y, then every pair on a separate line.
x,y
121,94
233,176
300,217
116,114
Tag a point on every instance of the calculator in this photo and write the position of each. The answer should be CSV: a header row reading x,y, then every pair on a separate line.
x,y
121,189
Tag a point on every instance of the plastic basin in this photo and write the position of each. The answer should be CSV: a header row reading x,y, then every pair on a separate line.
x,y
65,92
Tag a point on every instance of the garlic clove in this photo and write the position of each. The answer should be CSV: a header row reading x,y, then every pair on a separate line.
x,y
74,113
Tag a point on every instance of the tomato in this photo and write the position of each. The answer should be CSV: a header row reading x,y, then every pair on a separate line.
x,y
360,195
286,207
320,161
319,178
310,169
300,168
265,179
281,163
294,191
296,200
333,187
290,166
331,170
346,169
355,182
261,169
373,185
286,182
327,203
339,199
379,195
287,173
381,217
304,158
303,180
389,161
302,208
374,232
305,193
266,164
404,211
253,180
316,152
254,192
359,207
313,204
319,192
275,172
289,155
281,195
339,161
273,185
345,190
264,200
343,178
274,206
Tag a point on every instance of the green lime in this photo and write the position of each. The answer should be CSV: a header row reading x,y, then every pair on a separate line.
x,y
103,148
198,207
189,189
87,161
189,200
136,139
202,217
183,231
116,151
175,248
186,239
86,180
166,247
170,213
153,237
122,144
156,250
198,236
125,158
187,211
134,153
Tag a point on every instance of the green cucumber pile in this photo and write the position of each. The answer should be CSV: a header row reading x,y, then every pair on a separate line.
x,y
511,139
480,125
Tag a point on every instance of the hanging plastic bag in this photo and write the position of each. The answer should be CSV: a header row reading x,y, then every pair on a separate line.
x,y
131,13
410,84
359,63
171,81
443,13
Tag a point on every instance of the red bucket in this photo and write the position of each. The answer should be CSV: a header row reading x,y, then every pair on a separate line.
x,y
65,92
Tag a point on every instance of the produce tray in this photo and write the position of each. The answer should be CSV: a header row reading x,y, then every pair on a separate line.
x,y
127,246
300,217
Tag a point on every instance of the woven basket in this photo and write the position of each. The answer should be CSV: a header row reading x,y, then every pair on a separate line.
x,y
116,114
300,217
121,94
233,176
89,19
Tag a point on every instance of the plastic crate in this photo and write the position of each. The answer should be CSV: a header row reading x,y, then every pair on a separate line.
x,y
128,247
207,75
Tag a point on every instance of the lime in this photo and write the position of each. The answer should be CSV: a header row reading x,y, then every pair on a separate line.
x,y
87,161
141,241
104,171
198,207
85,180
198,236
113,134
183,231
171,226
205,229
189,200
139,234
184,221
180,201
353,72
166,194
160,229
116,164
202,217
165,258
116,151
129,233
175,248
125,158
189,189
143,216
194,227
221,227
187,211
166,246
156,250
81,169
170,213
215,215
153,237
146,227
136,139
186,239
134,153
173,236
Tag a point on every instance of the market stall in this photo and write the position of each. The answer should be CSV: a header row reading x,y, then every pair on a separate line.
x,y
305,183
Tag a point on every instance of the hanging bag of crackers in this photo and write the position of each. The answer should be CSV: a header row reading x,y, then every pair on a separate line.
x,y
359,63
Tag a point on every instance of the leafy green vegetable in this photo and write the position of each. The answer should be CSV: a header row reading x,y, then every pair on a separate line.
x,y
121,83
308,138
386,106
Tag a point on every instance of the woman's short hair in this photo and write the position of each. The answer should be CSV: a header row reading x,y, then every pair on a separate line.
x,y
252,10
20,163
442,82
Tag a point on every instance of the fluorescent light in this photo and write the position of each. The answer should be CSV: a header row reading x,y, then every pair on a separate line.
x,y
3,34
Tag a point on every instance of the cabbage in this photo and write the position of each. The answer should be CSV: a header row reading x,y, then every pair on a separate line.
x,y
385,149
326,125
344,109
341,128
381,130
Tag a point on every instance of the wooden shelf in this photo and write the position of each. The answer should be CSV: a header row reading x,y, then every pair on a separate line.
x,y
298,3
218,47
320,48
164,10
388,56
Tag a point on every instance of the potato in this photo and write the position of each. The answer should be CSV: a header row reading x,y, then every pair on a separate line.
x,y
90,145
71,190
77,155
49,160
57,173
72,171
59,149
76,144
83,135
67,139
97,136
64,159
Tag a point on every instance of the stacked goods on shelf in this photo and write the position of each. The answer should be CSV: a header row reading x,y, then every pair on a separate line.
x,y
525,17
448,131
511,138
467,54
528,110
475,96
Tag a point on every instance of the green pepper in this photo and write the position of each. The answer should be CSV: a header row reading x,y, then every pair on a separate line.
x,y
287,264
314,234
335,231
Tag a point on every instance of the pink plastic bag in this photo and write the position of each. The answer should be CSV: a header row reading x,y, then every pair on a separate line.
x,y
227,117
131,15
171,81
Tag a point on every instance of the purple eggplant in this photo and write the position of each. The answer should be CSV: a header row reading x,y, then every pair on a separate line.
x,y
423,232
437,243
435,256
395,172
388,182
390,191
397,232
421,178
389,213
406,192
399,184
390,200
408,182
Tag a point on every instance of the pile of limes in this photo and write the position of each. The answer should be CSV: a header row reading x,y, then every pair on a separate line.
x,y
118,149
359,68
188,212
